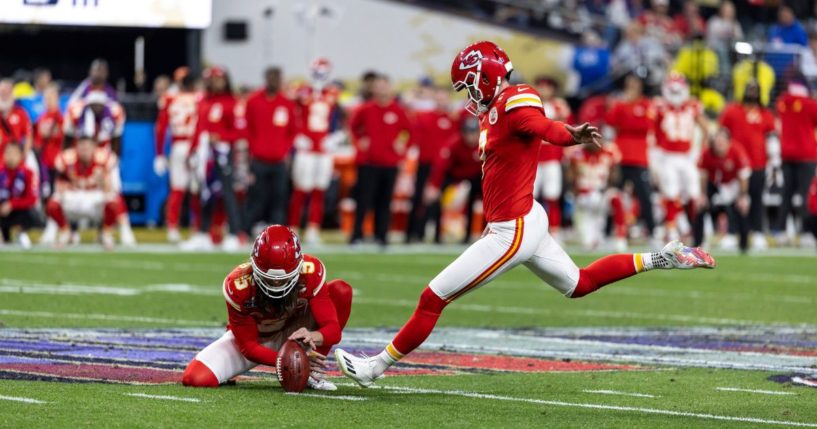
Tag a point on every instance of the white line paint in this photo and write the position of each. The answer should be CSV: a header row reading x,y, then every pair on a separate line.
x,y
641,410
107,317
616,392
163,397
763,392
325,396
20,399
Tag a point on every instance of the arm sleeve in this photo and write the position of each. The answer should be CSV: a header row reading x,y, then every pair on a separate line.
x,y
533,122
246,337
326,316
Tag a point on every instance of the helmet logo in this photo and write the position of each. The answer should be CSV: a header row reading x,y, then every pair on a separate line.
x,y
470,60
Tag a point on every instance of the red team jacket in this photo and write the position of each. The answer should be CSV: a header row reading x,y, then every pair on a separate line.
x,y
19,187
798,118
250,321
749,127
633,122
388,130
216,116
724,169
49,123
272,124
458,160
510,136
19,127
433,129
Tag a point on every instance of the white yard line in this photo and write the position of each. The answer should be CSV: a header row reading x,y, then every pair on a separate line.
x,y
322,395
763,392
641,410
20,399
107,317
616,392
163,397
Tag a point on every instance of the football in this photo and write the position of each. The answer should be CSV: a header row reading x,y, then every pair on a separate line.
x,y
292,367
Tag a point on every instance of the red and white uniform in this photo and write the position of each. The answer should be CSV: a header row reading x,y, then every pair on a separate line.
x,y
256,330
14,127
177,118
48,137
85,190
675,128
548,183
79,120
593,197
725,172
313,164
510,137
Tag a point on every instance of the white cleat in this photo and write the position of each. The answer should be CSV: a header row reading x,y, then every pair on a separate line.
x,y
198,242
231,244
685,257
49,233
126,237
312,236
318,383
24,240
107,240
759,242
173,235
361,370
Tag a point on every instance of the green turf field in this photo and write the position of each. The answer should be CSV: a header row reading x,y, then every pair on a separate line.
x,y
768,297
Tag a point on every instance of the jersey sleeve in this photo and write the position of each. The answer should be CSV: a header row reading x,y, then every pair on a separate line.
x,y
533,122
320,303
162,122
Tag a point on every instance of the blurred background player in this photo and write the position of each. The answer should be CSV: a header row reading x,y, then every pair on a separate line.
x,y
548,187
280,294
178,114
98,116
320,127
272,126
725,171
18,196
48,136
97,80
677,116
751,125
459,162
632,118
798,119
434,130
216,130
381,131
15,124
84,192
591,172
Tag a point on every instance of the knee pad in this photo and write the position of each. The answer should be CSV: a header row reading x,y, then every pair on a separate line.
x,y
198,375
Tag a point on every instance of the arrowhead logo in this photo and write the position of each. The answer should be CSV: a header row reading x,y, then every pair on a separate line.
x,y
470,60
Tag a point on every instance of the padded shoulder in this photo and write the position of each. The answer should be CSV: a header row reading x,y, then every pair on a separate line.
x,y
313,275
522,96
238,286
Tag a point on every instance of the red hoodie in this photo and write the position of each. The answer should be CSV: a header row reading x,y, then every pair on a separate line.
x,y
798,119
387,129
217,117
271,126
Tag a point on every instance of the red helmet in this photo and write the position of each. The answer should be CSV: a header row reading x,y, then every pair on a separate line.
x,y
320,69
276,261
480,68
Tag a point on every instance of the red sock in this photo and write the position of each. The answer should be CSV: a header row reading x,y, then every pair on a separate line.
x,y
671,207
340,293
217,226
419,326
619,216
54,210
198,375
316,207
110,213
296,207
174,208
554,211
195,210
602,272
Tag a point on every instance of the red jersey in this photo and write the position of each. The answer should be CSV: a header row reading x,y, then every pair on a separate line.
x,y
75,175
178,114
388,130
48,136
558,110
749,127
315,117
18,186
593,168
798,118
510,137
250,318
272,124
812,197
434,129
633,121
724,169
217,118
81,120
458,160
14,127
675,125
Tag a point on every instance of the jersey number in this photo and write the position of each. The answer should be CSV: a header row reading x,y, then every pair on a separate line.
x,y
308,268
318,120
678,126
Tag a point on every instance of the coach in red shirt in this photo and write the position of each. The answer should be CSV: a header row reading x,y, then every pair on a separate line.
x,y
271,131
381,131
632,117
433,130
798,147
750,125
